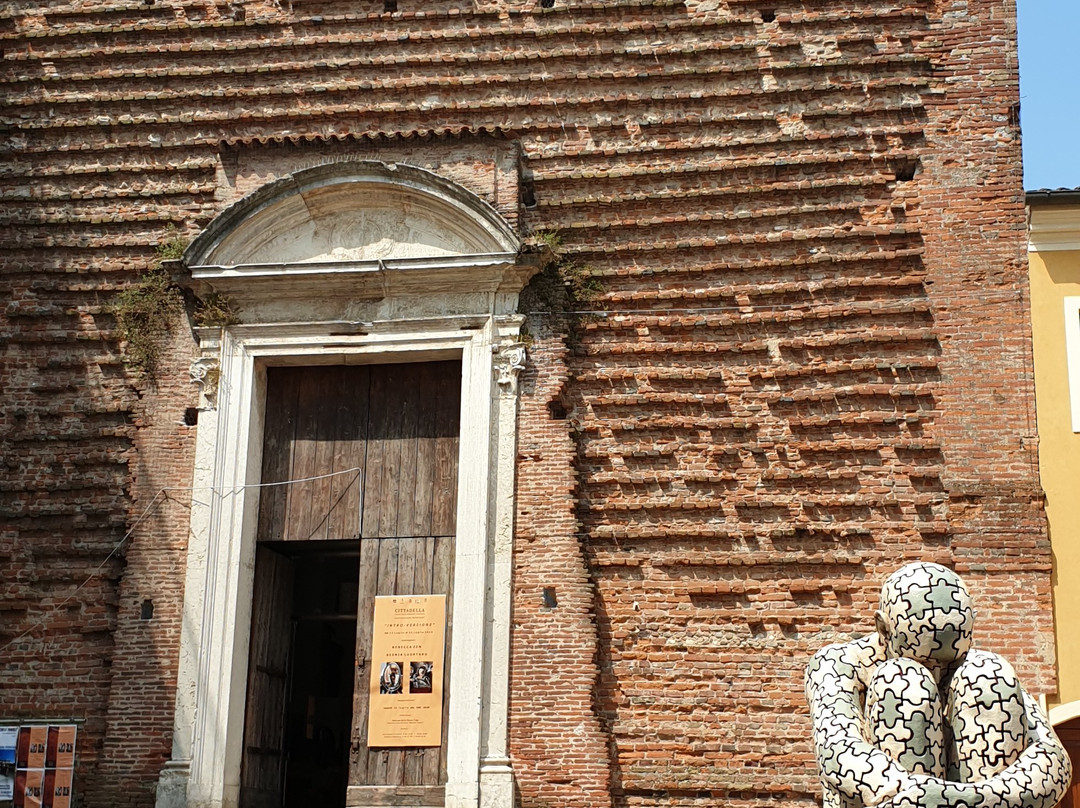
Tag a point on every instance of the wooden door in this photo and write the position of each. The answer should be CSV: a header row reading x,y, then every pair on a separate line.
x,y
407,548
370,453
398,566
367,450
1069,733
262,765
314,453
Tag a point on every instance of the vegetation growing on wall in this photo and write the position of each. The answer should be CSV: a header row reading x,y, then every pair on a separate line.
x,y
214,309
562,286
144,316
146,311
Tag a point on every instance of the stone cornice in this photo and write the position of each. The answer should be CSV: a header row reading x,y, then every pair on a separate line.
x,y
398,277
1053,228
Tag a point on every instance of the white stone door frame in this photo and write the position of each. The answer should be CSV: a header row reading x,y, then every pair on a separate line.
x,y
363,310
220,575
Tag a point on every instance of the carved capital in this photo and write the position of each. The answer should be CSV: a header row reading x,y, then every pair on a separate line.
x,y
205,372
509,362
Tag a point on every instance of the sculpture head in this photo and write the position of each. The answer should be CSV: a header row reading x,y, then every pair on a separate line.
x,y
925,614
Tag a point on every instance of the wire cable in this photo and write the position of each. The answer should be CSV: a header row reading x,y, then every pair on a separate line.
x,y
161,496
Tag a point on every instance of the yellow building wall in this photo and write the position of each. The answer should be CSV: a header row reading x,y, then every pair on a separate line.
x,y
1055,275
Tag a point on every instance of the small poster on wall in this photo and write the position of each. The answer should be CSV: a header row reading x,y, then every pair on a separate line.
x,y
406,698
37,765
9,737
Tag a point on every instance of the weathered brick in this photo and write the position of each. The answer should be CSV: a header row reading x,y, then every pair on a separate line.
x,y
809,361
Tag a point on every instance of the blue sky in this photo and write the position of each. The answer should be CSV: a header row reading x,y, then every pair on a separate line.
x,y
1050,92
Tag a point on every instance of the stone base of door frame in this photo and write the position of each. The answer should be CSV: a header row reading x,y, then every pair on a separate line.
x,y
497,788
172,785
496,784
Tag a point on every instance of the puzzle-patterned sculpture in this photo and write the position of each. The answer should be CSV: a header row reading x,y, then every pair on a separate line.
x,y
914,717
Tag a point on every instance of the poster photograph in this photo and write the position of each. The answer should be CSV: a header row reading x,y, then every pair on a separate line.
x,y
390,681
406,698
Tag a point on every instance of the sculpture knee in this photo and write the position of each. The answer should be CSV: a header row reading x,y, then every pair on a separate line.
x,y
986,717
904,718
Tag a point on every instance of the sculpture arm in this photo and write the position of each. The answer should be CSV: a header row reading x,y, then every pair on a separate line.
x,y
1039,778
850,767
1053,759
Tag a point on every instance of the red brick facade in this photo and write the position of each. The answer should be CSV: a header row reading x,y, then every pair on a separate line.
x,y
810,362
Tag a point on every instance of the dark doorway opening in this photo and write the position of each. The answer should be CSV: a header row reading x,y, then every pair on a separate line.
x,y
302,670
319,722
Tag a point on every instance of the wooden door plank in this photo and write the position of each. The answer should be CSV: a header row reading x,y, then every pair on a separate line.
x,y
427,448
406,571
447,426
394,403
282,385
264,722
328,385
380,419
409,390
442,576
350,452
423,551
305,444
425,558
384,400
379,759
365,611
424,494
414,519
388,566
383,796
403,768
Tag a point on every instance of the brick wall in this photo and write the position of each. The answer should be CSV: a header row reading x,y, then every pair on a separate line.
x,y
811,362
138,730
559,748
66,437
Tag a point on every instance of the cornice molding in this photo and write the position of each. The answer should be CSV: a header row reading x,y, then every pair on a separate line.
x,y
372,279
1053,228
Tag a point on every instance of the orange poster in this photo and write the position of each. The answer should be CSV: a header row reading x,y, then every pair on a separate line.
x,y
30,783
406,698
44,760
61,750
36,752
61,789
